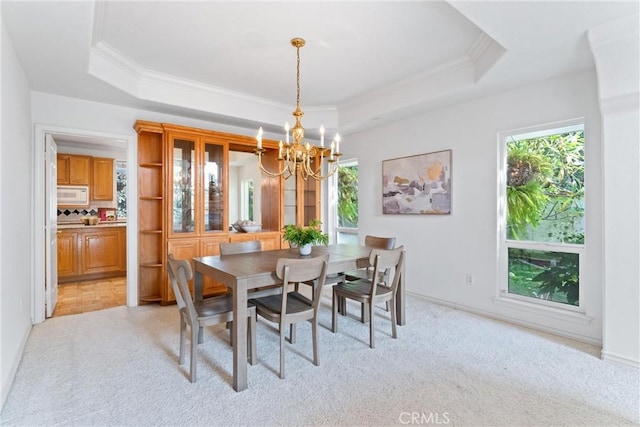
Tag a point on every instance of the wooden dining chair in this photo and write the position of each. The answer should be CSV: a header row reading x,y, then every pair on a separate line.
x,y
289,308
378,289
233,248
374,242
197,314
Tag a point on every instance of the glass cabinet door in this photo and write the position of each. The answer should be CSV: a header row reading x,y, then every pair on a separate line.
x,y
183,185
290,201
213,187
310,195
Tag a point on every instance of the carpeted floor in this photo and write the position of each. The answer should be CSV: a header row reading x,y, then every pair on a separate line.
x,y
119,367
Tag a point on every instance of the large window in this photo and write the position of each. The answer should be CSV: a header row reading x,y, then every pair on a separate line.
x,y
347,203
543,221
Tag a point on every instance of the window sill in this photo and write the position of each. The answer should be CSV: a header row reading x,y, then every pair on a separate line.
x,y
551,312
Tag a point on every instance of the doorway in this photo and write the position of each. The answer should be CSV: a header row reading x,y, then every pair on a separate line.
x,y
83,140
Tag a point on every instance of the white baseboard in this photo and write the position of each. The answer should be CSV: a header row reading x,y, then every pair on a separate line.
x,y
621,360
491,315
6,387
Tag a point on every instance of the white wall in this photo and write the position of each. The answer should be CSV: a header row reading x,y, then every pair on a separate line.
x,y
15,215
616,51
442,249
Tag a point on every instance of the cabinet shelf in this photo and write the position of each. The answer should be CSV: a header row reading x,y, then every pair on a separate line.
x,y
151,198
150,265
151,231
150,165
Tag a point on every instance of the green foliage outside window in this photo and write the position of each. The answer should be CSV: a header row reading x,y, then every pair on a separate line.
x,y
348,196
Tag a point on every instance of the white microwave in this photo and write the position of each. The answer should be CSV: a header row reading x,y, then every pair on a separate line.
x,y
73,195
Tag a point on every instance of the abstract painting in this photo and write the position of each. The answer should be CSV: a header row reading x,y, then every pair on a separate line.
x,y
417,185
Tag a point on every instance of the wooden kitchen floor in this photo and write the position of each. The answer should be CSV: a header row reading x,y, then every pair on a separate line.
x,y
81,297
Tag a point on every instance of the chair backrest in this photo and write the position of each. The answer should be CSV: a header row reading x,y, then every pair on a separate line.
x,y
291,271
230,248
180,273
386,260
379,242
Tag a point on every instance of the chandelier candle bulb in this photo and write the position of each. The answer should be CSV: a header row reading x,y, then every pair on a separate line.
x,y
337,143
321,136
259,137
286,128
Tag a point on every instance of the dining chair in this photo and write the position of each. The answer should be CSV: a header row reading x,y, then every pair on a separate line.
x,y
289,308
380,288
233,248
374,242
197,314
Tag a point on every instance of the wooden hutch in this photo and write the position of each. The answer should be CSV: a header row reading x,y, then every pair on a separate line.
x,y
183,201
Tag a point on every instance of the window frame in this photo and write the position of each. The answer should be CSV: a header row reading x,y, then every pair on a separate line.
x,y
504,244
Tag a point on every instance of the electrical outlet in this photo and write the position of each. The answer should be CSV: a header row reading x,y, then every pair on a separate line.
x,y
470,279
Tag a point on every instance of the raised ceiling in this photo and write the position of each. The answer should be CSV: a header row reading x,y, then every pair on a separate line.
x,y
364,60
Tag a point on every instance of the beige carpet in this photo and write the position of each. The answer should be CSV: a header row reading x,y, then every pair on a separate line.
x,y
448,367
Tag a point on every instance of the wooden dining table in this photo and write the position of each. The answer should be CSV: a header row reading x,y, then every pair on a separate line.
x,y
241,272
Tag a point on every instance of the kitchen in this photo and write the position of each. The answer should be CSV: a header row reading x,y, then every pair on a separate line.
x,y
91,218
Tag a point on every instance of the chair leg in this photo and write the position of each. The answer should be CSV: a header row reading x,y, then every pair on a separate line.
x,y
364,312
251,339
282,333
372,342
334,315
314,331
183,339
292,333
194,353
200,335
392,306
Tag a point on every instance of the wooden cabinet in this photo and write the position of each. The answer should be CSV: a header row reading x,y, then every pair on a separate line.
x,y
101,178
183,200
92,253
151,211
73,169
67,254
102,251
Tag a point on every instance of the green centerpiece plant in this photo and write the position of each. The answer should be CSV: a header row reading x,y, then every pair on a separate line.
x,y
304,237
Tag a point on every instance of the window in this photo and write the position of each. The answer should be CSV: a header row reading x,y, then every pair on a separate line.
x,y
347,203
121,188
246,199
543,221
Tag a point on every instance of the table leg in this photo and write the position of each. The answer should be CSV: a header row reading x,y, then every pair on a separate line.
x,y
197,292
240,331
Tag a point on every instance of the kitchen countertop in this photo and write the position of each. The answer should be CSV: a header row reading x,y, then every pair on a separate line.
x,y
72,225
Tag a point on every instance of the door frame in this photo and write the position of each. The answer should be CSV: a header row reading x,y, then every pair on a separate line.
x,y
38,259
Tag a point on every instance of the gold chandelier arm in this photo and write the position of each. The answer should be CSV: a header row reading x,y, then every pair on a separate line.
x,y
281,171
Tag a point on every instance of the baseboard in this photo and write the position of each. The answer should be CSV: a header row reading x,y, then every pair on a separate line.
x,y
621,360
535,326
14,367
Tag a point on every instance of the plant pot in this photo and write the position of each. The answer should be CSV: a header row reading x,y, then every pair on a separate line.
x,y
305,249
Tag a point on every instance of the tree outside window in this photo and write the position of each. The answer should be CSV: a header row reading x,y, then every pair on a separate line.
x,y
545,215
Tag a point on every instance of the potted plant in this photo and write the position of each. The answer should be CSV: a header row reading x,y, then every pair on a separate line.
x,y
303,237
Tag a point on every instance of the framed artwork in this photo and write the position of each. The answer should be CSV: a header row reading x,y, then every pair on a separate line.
x,y
417,185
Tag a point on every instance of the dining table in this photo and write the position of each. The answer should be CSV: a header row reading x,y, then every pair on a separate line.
x,y
245,271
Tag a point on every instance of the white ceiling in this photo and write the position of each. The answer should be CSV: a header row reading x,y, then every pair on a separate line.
x,y
364,60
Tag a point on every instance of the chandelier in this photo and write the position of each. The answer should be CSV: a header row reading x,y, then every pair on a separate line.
x,y
298,155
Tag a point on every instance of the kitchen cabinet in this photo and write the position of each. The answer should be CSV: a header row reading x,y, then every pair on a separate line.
x,y
73,169
101,178
91,252
183,200
67,254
